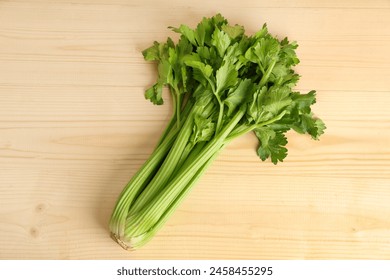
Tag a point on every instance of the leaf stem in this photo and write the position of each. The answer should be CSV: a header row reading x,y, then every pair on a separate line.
x,y
220,117
241,130
266,75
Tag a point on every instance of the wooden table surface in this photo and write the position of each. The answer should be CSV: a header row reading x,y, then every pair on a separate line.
x,y
74,127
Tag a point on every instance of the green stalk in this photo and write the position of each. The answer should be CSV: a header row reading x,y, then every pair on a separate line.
x,y
168,166
142,221
220,116
137,183
178,108
176,116
143,176
169,127
266,75
140,240
190,144
187,150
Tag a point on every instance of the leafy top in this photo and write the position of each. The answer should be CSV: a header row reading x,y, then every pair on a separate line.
x,y
216,63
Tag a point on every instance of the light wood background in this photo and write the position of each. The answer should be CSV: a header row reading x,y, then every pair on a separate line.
x,y
74,127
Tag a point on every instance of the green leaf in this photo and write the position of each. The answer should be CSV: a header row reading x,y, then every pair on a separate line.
x,y
268,104
165,75
236,97
287,53
154,94
221,41
202,72
203,96
320,128
304,101
158,51
236,52
203,130
278,98
272,144
173,58
183,47
170,43
226,77
234,32
264,53
262,33
278,74
206,70
255,104
152,53
309,124
186,32
282,76
218,20
204,31
176,60
204,53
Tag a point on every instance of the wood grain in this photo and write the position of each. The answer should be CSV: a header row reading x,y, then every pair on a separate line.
x,y
74,127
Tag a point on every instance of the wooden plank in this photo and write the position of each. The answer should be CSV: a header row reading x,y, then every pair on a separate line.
x,y
74,127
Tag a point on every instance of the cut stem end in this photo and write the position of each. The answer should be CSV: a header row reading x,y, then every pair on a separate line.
x,y
123,244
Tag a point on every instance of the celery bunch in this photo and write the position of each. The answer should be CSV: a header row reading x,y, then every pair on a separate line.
x,y
223,84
